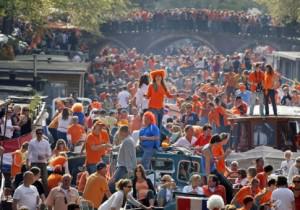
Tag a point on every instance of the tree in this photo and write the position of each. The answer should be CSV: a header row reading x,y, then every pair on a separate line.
x,y
212,4
86,14
284,11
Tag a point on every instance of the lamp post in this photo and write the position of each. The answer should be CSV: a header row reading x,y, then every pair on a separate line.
x,y
35,71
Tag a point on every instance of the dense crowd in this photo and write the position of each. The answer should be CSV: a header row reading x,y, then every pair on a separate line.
x,y
237,22
128,114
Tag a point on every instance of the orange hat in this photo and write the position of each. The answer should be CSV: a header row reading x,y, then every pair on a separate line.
x,y
158,72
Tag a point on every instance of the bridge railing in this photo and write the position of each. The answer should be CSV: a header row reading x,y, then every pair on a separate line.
x,y
226,25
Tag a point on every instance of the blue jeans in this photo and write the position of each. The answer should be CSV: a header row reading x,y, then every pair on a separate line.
x,y
91,168
120,173
62,135
159,113
203,120
146,157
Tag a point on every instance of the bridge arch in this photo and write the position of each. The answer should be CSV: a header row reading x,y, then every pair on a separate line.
x,y
168,39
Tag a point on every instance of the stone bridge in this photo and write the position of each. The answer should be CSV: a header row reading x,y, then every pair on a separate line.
x,y
219,42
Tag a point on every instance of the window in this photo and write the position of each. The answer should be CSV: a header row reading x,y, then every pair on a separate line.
x,y
186,169
162,165
264,134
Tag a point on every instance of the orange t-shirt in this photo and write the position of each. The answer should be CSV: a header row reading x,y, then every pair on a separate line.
x,y
93,157
82,181
54,180
263,179
269,81
16,163
76,131
196,107
243,192
217,151
266,198
59,160
255,77
156,98
95,181
213,118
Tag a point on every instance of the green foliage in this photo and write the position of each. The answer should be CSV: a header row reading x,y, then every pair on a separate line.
x,y
86,14
285,11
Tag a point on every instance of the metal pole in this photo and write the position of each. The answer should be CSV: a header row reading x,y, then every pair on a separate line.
x,y
35,71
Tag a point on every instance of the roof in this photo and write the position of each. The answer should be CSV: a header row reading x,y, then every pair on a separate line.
x,y
43,67
54,58
295,56
282,111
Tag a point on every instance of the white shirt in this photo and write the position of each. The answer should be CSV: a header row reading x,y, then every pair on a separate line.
x,y
63,124
141,101
123,98
39,148
183,142
27,196
285,166
189,189
9,128
292,172
283,198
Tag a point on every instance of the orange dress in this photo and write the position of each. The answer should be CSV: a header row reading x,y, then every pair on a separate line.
x,y
218,151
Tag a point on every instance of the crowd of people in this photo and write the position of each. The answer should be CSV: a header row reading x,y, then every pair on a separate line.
x,y
128,113
237,22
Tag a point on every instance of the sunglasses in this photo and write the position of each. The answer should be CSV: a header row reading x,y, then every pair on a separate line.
x,y
163,180
129,186
296,181
39,133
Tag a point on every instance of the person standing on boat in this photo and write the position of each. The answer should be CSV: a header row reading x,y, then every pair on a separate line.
x,y
256,79
157,91
270,84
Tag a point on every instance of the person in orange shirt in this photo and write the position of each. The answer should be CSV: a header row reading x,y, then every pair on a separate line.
x,y
75,132
97,144
270,82
212,89
264,197
256,78
55,178
96,186
81,179
263,176
196,104
204,137
156,93
251,190
19,159
230,84
214,188
219,154
240,107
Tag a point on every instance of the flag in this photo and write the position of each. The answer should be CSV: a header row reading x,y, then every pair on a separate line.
x,y
190,203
